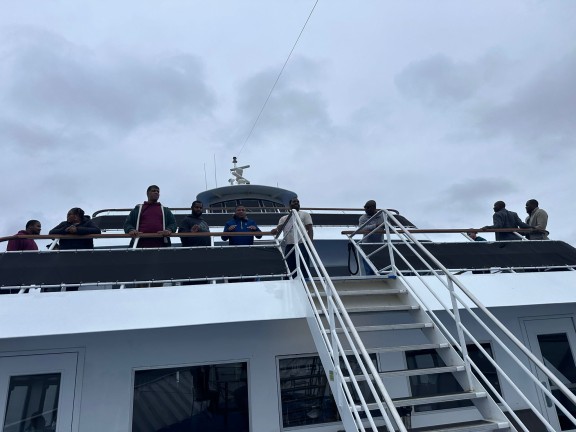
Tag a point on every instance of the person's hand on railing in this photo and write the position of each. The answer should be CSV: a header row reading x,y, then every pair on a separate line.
x,y
134,233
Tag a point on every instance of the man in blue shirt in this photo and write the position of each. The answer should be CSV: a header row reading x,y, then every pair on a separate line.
x,y
240,223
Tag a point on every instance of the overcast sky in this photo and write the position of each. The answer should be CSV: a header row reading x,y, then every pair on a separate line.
x,y
436,108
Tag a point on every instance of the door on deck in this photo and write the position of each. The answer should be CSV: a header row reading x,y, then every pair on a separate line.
x,y
553,340
37,392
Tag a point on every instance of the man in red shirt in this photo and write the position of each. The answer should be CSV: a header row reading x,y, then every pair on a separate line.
x,y
151,217
33,227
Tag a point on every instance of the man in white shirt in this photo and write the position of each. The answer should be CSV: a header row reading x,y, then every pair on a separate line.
x,y
287,225
537,218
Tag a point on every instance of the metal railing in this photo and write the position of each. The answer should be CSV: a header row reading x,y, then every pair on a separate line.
x,y
329,319
461,298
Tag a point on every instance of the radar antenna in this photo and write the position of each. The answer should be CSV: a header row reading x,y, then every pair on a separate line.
x,y
237,172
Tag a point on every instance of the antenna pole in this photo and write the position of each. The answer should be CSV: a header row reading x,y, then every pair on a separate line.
x,y
215,177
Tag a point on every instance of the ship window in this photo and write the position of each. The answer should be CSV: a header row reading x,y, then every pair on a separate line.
x,y
195,399
272,207
252,204
305,394
32,403
428,385
229,206
216,208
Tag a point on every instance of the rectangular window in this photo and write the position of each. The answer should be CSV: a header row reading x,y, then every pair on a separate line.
x,y
32,403
192,399
305,394
428,385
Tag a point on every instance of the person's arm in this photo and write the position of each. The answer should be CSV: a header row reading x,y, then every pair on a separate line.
x,y
497,222
170,220
541,220
13,245
131,220
227,228
87,227
308,225
521,224
280,226
254,227
310,231
60,228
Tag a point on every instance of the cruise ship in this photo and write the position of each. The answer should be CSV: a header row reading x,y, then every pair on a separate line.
x,y
415,333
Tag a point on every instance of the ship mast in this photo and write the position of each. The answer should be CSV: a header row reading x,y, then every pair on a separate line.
x,y
237,172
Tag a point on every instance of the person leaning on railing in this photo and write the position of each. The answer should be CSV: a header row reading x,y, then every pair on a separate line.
x,y
76,223
33,227
504,218
538,218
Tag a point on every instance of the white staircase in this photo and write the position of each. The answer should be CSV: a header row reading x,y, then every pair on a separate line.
x,y
366,328
390,323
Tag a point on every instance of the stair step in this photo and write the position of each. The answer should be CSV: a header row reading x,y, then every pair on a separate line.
x,y
378,308
471,426
425,371
367,292
388,327
402,348
449,397
422,400
413,372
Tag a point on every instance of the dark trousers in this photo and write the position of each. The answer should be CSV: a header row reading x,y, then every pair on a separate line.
x,y
291,259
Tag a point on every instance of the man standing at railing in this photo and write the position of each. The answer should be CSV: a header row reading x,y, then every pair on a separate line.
x,y
369,221
33,227
538,218
240,223
286,224
503,218
195,223
151,217
76,223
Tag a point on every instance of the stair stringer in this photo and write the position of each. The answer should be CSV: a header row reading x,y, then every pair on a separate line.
x,y
487,406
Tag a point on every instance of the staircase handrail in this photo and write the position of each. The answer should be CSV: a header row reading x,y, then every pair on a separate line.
x,y
337,309
404,233
453,341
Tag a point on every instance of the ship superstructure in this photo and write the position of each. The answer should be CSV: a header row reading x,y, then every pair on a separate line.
x,y
443,336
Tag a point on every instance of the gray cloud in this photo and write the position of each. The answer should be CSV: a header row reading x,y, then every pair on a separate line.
x,y
296,110
47,78
438,80
441,81
540,113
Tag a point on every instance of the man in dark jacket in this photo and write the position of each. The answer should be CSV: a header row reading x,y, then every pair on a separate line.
x,y
151,217
195,223
503,218
33,227
240,223
76,223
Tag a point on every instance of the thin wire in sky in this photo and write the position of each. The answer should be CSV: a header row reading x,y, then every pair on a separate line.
x,y
277,79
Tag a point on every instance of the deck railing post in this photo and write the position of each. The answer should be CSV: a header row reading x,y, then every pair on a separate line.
x,y
461,338
389,242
